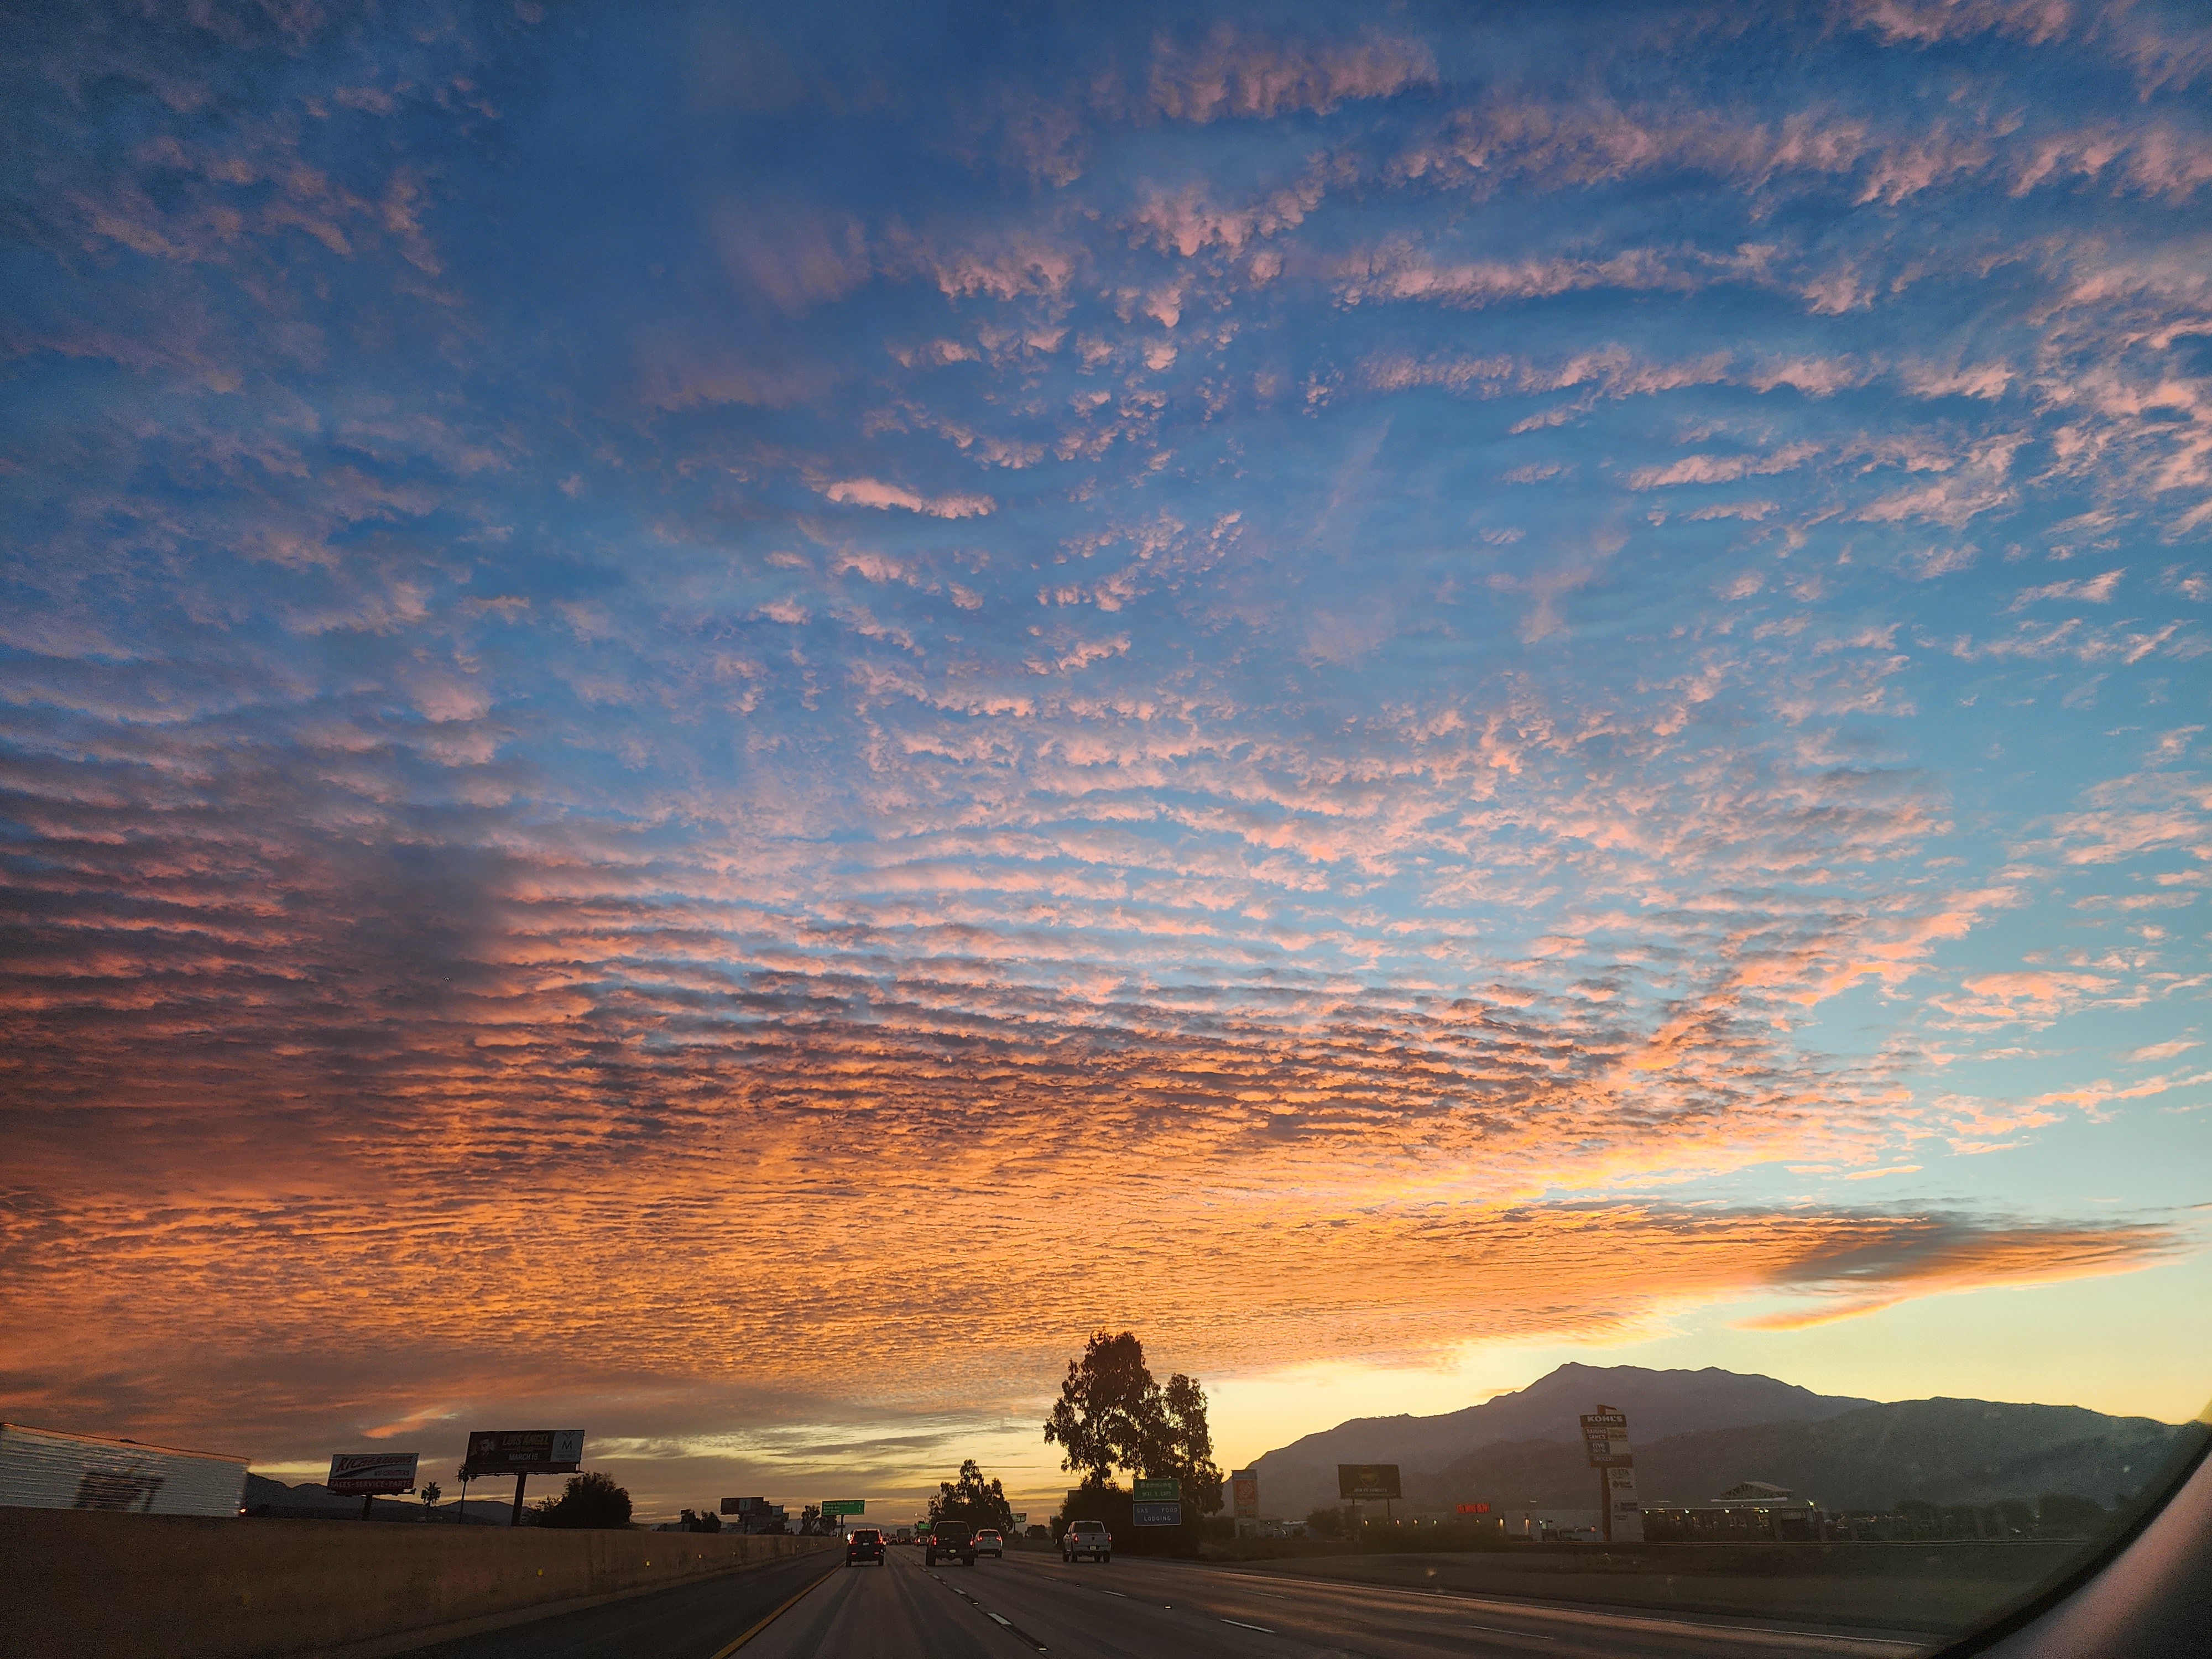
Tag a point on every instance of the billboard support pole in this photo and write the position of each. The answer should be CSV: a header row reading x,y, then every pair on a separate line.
x,y
521,1476
1605,1501
368,1502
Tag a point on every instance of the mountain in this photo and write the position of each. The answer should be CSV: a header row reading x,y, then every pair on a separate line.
x,y
313,1501
1302,1476
1942,1451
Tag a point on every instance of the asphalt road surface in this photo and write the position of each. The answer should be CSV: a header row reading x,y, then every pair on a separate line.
x,y
690,1621
1134,1609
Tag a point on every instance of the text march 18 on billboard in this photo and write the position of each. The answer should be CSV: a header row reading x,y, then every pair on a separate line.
x,y
1367,1482
361,1474
1244,1493
525,1451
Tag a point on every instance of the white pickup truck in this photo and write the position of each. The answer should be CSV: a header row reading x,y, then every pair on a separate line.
x,y
1084,1538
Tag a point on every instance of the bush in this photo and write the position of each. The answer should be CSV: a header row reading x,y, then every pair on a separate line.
x,y
592,1502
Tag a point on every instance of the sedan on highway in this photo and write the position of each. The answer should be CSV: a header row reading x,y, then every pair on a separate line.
x,y
866,1544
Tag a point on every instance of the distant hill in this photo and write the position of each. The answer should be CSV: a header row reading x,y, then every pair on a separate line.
x,y
1942,1451
1302,1476
311,1500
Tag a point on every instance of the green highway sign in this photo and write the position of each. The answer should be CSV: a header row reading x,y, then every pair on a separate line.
x,y
1159,1492
844,1506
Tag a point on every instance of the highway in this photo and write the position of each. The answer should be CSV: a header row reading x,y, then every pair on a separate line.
x,y
1135,1609
688,1621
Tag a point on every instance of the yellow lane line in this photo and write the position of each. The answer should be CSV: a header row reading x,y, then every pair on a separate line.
x,y
787,1607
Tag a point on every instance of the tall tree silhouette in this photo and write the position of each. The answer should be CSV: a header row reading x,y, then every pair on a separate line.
x,y
1112,1415
972,1499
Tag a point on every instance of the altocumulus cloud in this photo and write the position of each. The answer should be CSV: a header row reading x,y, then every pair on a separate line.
x,y
552,745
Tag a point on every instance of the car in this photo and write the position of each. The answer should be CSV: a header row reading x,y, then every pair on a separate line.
x,y
954,1538
989,1542
1084,1538
864,1544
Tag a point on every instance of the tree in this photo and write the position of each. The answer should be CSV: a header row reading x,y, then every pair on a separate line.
x,y
1099,1422
430,1495
700,1521
1182,1445
589,1502
972,1500
1112,1415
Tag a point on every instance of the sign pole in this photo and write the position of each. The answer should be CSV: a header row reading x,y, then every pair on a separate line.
x,y
368,1502
521,1476
1605,1501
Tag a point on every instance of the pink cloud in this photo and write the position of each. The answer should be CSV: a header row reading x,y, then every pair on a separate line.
x,y
1397,270
2096,590
873,492
1255,76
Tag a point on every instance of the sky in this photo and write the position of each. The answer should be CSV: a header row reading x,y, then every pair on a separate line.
x,y
716,722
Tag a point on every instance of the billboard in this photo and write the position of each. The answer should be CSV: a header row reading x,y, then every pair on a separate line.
x,y
1605,1437
1367,1481
524,1451
356,1475
1474,1508
743,1506
1244,1493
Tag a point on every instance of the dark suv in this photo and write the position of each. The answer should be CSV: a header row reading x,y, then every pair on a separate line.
x,y
951,1538
866,1544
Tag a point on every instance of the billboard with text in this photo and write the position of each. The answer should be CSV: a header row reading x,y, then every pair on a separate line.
x,y
358,1474
525,1451
1367,1482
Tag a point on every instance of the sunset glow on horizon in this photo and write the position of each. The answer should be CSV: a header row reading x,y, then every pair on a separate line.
x,y
1387,692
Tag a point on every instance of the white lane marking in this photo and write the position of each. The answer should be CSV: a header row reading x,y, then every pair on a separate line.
x,y
1241,1624
1116,1595
988,1614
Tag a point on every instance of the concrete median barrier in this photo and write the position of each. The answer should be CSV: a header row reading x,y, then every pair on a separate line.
x,y
183,1587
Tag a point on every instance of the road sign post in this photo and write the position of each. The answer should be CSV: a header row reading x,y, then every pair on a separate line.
x,y
1157,1504
1605,1441
1244,1495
